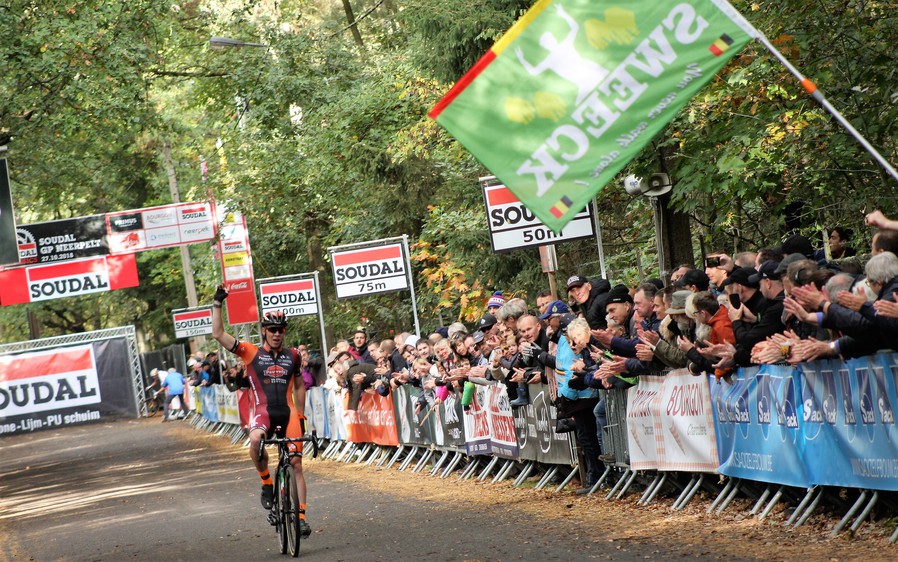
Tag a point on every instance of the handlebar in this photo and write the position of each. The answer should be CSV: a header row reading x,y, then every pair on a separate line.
x,y
312,438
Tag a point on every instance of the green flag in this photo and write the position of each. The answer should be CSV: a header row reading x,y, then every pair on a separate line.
x,y
572,92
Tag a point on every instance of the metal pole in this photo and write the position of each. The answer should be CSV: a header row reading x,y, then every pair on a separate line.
x,y
598,225
324,348
411,284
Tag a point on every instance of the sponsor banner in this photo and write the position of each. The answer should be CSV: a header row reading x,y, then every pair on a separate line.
x,y
237,268
643,406
293,298
477,424
228,409
210,404
447,422
414,429
160,227
62,240
535,429
373,270
513,226
52,388
373,422
581,89
758,424
684,427
9,251
489,424
316,412
67,279
192,322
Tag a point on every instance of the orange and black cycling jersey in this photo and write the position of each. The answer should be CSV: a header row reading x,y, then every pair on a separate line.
x,y
270,375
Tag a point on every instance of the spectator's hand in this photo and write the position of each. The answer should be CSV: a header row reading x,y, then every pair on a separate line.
x,y
479,371
614,367
578,365
518,375
736,313
429,385
684,344
381,370
808,350
358,378
879,220
808,296
748,316
887,308
220,294
794,308
725,352
602,336
650,338
536,378
595,353
644,352
766,352
850,300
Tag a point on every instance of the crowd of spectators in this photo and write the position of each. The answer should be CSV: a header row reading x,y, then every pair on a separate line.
x,y
784,304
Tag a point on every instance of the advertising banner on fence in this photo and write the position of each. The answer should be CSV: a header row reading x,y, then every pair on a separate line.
x,y
227,401
237,268
581,88
489,423
192,322
369,271
9,251
67,279
62,240
535,428
759,426
159,227
64,386
684,428
373,422
513,226
414,429
293,298
643,406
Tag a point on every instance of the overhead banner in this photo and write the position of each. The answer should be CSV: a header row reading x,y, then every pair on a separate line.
x,y
513,226
62,240
574,90
160,227
9,251
190,322
67,279
369,271
293,298
237,268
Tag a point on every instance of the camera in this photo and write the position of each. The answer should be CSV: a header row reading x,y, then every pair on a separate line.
x,y
712,262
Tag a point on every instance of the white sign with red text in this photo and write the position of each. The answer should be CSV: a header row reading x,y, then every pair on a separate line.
x,y
293,298
48,380
372,270
192,322
37,283
160,227
513,226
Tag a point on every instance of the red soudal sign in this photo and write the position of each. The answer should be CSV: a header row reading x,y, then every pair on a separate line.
x,y
159,227
68,279
293,298
380,269
48,380
513,226
190,323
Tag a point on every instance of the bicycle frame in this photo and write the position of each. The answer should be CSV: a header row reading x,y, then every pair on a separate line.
x,y
285,511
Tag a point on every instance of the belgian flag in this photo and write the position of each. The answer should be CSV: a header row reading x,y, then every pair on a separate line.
x,y
560,208
721,46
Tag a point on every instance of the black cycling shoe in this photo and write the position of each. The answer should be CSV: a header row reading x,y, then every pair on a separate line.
x,y
267,496
304,529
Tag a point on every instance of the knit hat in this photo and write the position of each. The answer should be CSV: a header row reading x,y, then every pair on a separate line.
x,y
496,300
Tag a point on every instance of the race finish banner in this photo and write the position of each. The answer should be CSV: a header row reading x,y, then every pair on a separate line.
x,y
62,240
190,322
67,279
237,268
513,226
160,227
9,252
582,89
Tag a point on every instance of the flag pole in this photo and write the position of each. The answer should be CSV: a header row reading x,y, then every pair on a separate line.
x,y
811,89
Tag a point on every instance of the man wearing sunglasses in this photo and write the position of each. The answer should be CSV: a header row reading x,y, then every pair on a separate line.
x,y
277,395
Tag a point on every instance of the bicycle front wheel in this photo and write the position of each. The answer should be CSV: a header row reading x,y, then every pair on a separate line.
x,y
280,500
290,510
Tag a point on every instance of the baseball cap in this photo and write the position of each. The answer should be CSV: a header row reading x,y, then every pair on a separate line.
x,y
787,261
478,336
741,275
766,271
487,322
191,362
412,340
678,302
695,277
154,372
555,307
619,293
576,281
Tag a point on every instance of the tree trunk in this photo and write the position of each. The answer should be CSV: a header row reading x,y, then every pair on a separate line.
x,y
350,19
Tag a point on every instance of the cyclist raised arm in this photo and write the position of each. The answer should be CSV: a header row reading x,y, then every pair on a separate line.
x,y
277,395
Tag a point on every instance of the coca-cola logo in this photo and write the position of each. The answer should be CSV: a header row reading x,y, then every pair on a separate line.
x,y
242,286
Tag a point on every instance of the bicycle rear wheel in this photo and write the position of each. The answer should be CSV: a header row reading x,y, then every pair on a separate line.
x,y
280,500
290,511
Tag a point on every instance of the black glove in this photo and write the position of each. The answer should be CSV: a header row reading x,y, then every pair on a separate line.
x,y
220,294
577,381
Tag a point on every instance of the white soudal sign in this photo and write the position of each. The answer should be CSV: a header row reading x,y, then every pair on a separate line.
x,y
513,226
379,269
194,322
67,279
160,227
48,380
293,298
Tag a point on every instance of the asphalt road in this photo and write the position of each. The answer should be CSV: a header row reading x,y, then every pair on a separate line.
x,y
143,490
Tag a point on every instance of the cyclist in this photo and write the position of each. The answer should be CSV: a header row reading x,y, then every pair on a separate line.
x,y
277,394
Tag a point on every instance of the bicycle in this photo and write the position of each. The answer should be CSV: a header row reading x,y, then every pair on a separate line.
x,y
154,401
285,510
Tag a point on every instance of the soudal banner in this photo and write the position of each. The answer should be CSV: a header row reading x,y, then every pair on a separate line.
x,y
62,240
293,298
9,251
67,279
237,268
190,322
160,227
67,385
581,88
369,271
513,226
